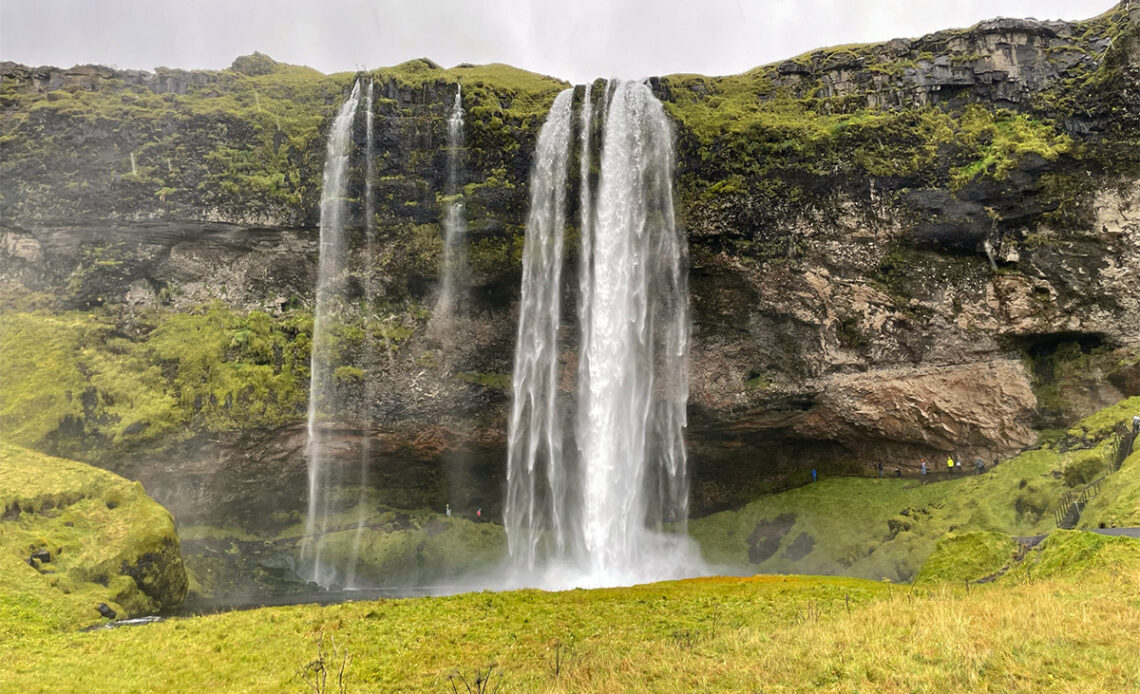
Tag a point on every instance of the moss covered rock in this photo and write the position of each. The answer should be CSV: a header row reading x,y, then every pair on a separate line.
x,y
968,557
1072,553
1118,504
72,537
429,548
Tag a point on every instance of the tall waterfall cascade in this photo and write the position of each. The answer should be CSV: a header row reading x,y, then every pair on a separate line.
x,y
454,276
597,487
330,270
369,282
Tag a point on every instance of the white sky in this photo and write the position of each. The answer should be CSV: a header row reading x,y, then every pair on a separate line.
x,y
572,39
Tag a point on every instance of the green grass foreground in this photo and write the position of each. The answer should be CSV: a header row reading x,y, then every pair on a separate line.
x,y
766,633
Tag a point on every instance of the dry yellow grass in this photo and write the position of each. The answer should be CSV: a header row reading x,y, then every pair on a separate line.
x,y
772,634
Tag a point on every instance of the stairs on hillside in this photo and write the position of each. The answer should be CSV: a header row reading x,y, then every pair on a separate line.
x,y
1072,504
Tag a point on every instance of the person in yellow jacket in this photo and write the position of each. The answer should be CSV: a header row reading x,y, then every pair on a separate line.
x,y
950,464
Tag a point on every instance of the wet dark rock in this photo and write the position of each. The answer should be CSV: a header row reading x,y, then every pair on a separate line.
x,y
799,547
41,555
899,524
105,611
948,222
765,538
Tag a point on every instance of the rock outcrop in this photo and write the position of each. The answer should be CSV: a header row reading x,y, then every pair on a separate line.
x,y
76,537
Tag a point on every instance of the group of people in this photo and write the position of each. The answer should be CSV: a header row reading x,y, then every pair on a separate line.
x,y
478,512
952,466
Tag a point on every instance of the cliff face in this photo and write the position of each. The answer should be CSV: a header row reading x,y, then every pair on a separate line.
x,y
897,250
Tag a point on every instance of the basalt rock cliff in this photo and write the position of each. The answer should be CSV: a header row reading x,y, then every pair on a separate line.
x,y
897,250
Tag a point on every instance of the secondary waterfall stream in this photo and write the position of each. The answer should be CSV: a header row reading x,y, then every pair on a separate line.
x,y
331,268
369,282
616,511
450,302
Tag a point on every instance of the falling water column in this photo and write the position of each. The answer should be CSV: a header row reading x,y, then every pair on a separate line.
x,y
617,514
636,337
536,482
369,351
329,268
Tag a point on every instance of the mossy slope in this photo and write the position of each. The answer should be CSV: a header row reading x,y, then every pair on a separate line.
x,y
1118,503
968,557
887,528
107,540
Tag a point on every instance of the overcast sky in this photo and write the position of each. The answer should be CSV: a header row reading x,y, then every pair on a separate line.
x,y
573,39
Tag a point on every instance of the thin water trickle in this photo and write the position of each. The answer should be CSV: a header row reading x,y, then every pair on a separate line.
x,y
330,268
451,301
369,351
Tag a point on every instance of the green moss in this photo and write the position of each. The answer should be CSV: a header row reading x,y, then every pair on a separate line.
x,y
1077,554
877,528
1099,425
345,375
1002,139
107,540
80,385
492,257
1118,503
496,381
968,557
1084,467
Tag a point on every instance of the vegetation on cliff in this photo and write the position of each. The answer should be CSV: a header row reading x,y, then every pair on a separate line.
x,y
241,144
72,537
92,384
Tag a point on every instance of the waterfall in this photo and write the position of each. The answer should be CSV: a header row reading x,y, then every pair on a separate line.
x,y
330,268
536,480
617,514
585,246
369,348
449,302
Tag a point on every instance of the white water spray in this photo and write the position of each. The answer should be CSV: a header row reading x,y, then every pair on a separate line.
x,y
330,270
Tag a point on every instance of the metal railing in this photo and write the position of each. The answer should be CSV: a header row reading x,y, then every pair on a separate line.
x,y
1072,504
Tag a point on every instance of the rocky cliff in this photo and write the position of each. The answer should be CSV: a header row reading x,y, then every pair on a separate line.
x,y
897,250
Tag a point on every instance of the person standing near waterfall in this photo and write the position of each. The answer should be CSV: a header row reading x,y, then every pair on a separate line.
x,y
950,464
